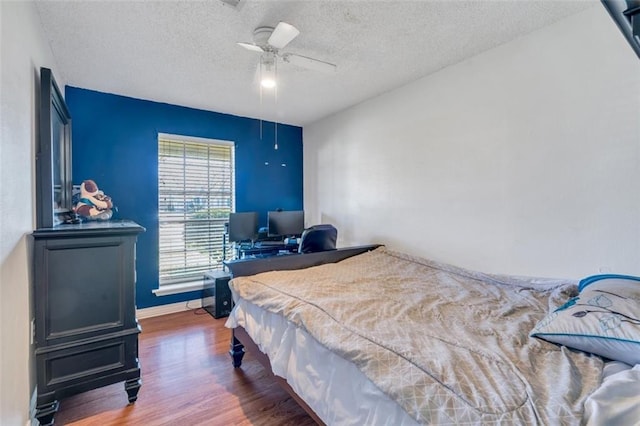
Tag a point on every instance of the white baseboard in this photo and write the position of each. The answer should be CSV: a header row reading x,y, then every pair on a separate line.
x,y
171,308
167,289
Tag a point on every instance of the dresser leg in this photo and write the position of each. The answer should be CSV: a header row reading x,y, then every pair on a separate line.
x,y
132,386
45,412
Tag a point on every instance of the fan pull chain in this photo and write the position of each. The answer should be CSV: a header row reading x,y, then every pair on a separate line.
x,y
260,86
275,101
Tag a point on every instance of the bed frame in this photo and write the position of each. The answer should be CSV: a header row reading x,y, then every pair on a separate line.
x,y
240,339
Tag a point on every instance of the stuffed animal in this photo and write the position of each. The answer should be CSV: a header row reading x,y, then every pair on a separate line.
x,y
93,204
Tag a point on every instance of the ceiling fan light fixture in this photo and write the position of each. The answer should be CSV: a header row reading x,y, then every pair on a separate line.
x,y
268,83
268,76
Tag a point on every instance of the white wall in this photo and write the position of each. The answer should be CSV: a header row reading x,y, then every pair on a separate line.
x,y
23,50
524,159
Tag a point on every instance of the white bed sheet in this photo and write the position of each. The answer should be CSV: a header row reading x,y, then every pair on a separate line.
x,y
340,394
336,390
617,400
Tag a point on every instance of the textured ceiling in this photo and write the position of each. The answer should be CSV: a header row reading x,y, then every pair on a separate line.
x,y
185,52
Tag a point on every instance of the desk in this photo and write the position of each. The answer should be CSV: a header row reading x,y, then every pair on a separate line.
x,y
267,250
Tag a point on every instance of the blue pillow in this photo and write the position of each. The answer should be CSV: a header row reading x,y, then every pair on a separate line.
x,y
604,319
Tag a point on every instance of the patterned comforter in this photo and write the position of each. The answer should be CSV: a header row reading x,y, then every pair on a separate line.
x,y
447,344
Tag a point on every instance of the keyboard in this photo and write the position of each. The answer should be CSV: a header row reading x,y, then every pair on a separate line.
x,y
269,243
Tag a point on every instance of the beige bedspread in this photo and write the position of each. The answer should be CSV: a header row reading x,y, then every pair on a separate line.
x,y
449,345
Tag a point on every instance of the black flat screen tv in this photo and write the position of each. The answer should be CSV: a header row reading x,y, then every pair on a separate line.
x,y
285,223
243,226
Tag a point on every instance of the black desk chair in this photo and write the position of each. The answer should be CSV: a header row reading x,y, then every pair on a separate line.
x,y
318,238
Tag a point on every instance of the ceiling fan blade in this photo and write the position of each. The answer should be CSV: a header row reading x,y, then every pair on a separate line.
x,y
252,47
282,35
310,63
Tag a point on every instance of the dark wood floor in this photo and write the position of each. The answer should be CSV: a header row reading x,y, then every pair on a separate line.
x,y
188,380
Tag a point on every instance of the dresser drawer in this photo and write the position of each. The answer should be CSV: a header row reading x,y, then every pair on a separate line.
x,y
85,362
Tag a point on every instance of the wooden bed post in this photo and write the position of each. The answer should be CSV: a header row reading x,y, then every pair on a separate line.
x,y
236,351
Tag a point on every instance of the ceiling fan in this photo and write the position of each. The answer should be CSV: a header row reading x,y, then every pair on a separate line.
x,y
268,41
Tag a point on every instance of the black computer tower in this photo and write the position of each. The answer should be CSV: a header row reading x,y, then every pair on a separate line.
x,y
216,296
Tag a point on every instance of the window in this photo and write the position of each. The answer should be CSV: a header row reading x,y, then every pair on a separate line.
x,y
195,196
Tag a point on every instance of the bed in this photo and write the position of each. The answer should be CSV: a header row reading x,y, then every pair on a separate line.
x,y
371,336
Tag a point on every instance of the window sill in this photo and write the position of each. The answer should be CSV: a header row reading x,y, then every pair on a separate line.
x,y
168,289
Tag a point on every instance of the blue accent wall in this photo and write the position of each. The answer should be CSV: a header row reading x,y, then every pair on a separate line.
x,y
115,143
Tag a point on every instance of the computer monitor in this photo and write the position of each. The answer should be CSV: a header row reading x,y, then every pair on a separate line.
x,y
285,223
243,226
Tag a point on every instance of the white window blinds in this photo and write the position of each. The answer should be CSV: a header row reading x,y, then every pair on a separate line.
x,y
195,197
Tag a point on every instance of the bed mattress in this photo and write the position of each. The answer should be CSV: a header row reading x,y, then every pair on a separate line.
x,y
334,388
412,341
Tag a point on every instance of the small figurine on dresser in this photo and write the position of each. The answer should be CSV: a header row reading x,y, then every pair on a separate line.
x,y
93,203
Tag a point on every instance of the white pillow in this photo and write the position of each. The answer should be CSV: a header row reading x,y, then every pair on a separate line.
x,y
604,319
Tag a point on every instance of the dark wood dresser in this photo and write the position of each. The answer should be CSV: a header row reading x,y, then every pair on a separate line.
x,y
86,332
